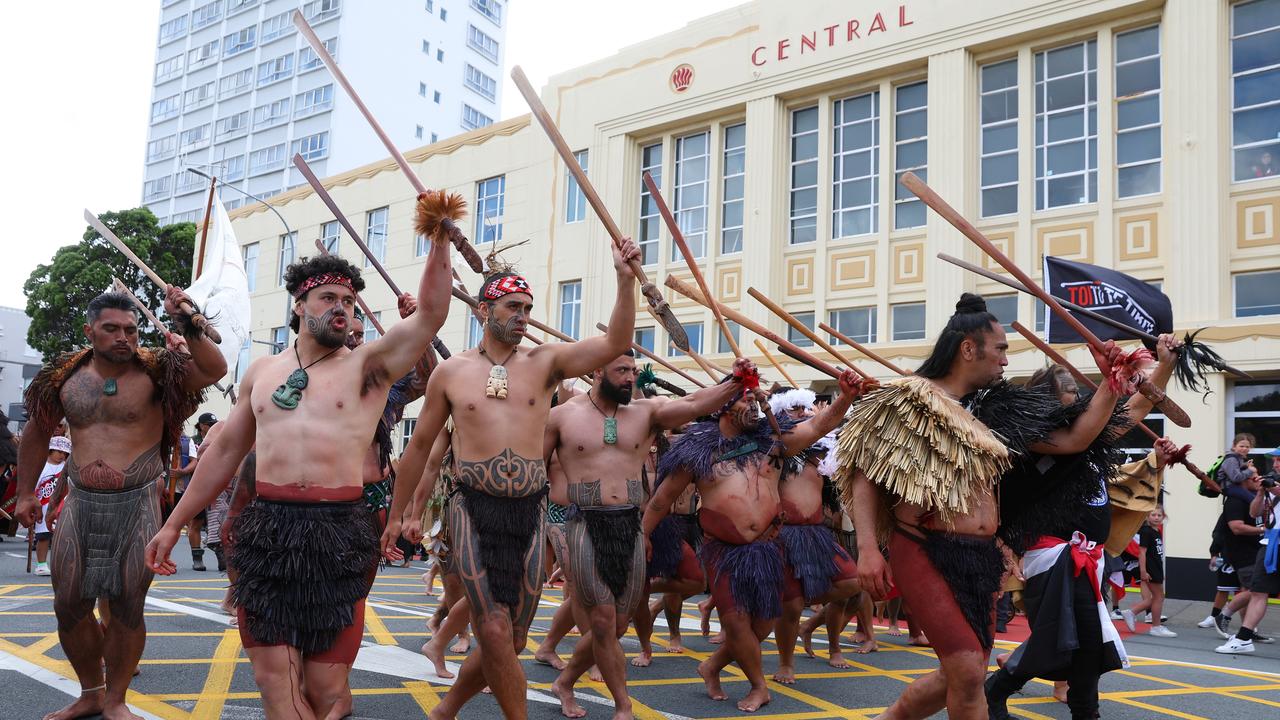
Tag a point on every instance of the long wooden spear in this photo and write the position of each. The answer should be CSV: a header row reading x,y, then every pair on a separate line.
x,y
359,300
861,348
197,319
764,350
926,194
803,329
654,296
701,362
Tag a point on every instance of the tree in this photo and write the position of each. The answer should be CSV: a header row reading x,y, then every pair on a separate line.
x,y
58,293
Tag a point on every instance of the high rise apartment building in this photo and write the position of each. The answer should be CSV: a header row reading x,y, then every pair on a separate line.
x,y
238,91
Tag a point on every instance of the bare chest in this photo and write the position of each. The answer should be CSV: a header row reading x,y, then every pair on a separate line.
x,y
89,399
331,392
624,435
487,399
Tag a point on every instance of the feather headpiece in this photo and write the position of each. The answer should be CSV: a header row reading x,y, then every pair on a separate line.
x,y
437,214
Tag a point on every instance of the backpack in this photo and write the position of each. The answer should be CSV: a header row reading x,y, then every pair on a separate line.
x,y
1212,472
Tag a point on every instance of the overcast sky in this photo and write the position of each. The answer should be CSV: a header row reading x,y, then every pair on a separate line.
x,y
77,89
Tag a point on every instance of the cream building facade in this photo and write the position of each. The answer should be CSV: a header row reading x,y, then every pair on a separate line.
x,y
1130,134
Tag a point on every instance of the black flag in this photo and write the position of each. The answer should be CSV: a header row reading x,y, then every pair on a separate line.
x,y
1106,292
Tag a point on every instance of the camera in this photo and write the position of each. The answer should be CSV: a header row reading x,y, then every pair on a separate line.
x,y
1268,482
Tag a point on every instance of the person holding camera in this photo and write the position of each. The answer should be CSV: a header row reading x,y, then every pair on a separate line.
x,y
1261,577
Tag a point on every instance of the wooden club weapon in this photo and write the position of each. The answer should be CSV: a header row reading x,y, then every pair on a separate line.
x,y
926,194
197,319
460,242
654,296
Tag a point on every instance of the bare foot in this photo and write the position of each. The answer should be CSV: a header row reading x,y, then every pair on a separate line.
x,y
754,700
119,712
719,638
675,645
785,675
921,641
712,681
894,630
433,653
594,674
859,637
643,659
569,706
806,637
704,611
1003,658
549,657
837,661
1060,691
90,703
463,645
869,646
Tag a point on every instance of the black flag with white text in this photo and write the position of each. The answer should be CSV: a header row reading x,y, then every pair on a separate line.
x,y
1115,295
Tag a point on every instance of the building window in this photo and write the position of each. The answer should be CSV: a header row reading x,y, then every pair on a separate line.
x,y
908,321
288,247
650,221
858,324
1137,94
236,83
276,69
475,333
1005,308
422,89
692,160
910,151
185,182
1067,125
797,337
206,14
482,84
194,139
1255,95
309,60
271,114
733,168
998,142
490,198
242,362
426,47
1257,293
162,148
431,6
279,339
417,132
407,426
189,216
235,6
473,118
198,96
1255,409
370,328
481,43
165,108
232,170
312,147
156,189
313,101
571,308
436,97
439,55
435,137
321,10
168,69
575,208
444,14
266,160
173,29
804,176
375,234
329,233
239,41
645,337
277,26
232,126
491,9
855,168
694,331
250,254
722,344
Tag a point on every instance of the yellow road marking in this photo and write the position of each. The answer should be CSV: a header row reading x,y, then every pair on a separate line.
x,y
1162,711
218,681
423,694
43,644
375,627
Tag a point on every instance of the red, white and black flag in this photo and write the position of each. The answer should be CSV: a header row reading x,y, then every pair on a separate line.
x,y
1120,297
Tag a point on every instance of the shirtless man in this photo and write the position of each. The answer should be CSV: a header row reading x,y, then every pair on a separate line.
x,y
309,415
942,549
602,439
674,569
736,464
499,396
126,406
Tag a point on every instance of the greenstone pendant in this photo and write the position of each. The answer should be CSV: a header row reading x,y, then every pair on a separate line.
x,y
109,387
611,431
286,396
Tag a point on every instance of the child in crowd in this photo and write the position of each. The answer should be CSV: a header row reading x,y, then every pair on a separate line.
x,y
50,489
1151,572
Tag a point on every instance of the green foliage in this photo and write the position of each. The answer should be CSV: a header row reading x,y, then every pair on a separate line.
x,y
59,293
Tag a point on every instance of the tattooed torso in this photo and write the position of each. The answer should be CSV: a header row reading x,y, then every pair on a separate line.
x,y
489,426
504,475
117,431
801,495
745,498
602,472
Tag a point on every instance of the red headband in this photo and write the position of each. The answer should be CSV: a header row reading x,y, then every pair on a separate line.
x,y
329,278
505,286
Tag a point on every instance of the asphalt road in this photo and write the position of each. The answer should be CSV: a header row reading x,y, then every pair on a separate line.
x,y
194,666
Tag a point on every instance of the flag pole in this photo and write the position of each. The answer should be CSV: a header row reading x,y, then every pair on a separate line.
x,y
204,231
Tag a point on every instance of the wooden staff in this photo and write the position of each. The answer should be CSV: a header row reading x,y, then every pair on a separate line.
x,y
926,194
777,366
651,292
359,300
701,362
1084,380
459,241
197,319
1095,316
204,231
861,348
786,346
656,358
803,329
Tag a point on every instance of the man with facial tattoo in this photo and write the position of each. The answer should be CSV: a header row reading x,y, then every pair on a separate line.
x,y
736,461
125,406
602,439
499,396
304,547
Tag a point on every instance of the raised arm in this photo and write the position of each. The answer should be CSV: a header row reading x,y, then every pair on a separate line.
x,y
675,412
208,365
1079,435
413,463
573,359
402,346
804,435
1167,356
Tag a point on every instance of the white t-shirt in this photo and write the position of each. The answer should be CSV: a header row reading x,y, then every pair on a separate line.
x,y
45,487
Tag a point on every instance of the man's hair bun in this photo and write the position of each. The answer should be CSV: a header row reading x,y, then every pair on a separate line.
x,y
971,303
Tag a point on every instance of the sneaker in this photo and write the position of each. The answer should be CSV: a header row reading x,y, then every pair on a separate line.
x,y
1207,622
42,569
1266,639
1235,646
1222,624
1130,621
1115,614
1162,631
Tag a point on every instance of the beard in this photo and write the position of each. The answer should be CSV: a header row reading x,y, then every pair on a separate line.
x,y
322,328
504,333
620,394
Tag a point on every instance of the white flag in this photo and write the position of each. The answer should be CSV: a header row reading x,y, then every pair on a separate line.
x,y
222,290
